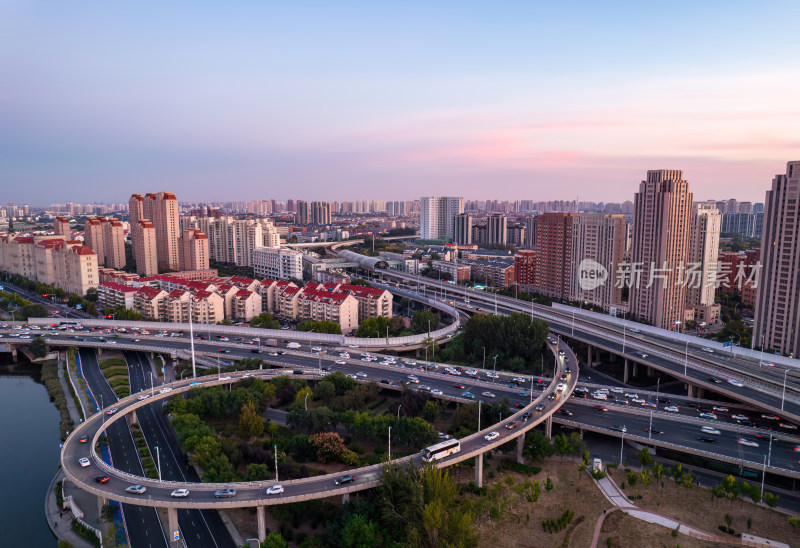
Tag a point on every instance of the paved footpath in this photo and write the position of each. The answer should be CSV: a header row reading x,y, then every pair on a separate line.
x,y
621,502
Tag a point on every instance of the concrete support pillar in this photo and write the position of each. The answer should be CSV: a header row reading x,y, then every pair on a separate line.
x,y
690,390
152,355
580,433
172,518
651,372
589,355
625,372
479,470
520,445
133,417
99,351
635,371
262,523
14,356
548,427
345,498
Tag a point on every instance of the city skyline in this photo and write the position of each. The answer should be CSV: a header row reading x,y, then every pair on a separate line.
x,y
267,100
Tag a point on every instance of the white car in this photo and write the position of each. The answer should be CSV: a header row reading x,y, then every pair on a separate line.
x,y
707,349
471,372
637,400
720,409
734,382
413,378
112,411
492,375
748,443
165,390
436,392
518,379
274,489
136,489
361,374
739,417
617,390
488,394
84,462
492,436
560,387
225,378
142,396
180,493
631,395
671,408
316,348
340,362
710,430
788,426
410,362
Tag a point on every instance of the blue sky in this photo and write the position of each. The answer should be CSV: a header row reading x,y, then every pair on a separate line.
x,y
372,100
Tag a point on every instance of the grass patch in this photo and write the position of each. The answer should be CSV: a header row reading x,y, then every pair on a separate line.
x,y
57,396
114,362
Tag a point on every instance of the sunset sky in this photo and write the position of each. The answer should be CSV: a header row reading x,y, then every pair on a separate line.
x,y
378,100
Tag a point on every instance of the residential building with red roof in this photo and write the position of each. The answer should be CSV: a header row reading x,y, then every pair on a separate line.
x,y
148,302
245,305
175,307
113,294
372,302
320,305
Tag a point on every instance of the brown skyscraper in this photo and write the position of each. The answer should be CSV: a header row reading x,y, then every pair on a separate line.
x,y
661,229
136,213
554,254
777,321
161,209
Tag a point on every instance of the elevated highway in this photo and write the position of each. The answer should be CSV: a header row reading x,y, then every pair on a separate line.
x,y
252,494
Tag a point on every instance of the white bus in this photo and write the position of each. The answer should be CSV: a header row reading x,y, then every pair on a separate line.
x,y
441,450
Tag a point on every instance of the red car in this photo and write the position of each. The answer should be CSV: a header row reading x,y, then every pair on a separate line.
x,y
101,479
461,386
600,408
84,439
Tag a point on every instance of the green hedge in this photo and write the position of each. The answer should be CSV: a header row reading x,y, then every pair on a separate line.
x,y
114,362
115,371
85,533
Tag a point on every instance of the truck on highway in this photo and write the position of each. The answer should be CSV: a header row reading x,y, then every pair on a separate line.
x,y
271,342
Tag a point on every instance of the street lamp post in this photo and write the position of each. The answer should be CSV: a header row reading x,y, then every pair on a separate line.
x,y
763,476
621,447
191,336
686,359
484,357
305,400
158,461
152,387
480,404
390,443
783,395
275,448
494,370
398,411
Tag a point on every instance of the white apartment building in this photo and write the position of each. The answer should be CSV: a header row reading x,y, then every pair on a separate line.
x,y
277,263
437,216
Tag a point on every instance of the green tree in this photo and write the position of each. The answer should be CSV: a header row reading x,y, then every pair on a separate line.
x,y
91,294
324,326
423,321
250,422
274,540
562,445
265,320
360,282
537,447
359,532
431,411
325,391
38,347
373,327
91,309
257,472
34,311
645,459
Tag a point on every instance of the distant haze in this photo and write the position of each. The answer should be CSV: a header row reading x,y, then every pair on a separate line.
x,y
376,100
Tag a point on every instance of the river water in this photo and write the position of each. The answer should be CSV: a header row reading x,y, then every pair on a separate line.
x,y
29,457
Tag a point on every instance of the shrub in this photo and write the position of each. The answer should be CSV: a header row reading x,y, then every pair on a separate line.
x,y
548,485
59,489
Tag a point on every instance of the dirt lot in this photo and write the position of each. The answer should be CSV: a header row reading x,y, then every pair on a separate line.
x,y
695,507
624,530
571,491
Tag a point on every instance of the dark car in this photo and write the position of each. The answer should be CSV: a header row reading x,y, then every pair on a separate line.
x,y
707,439
551,396
563,411
345,479
280,352
526,415
299,372
664,400
654,431
539,406
326,367
224,351
713,379
84,439
256,351
101,479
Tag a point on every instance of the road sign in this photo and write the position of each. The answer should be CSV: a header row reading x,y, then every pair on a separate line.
x,y
176,535
77,307
726,344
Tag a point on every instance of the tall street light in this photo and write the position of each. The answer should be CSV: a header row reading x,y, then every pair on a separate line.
x,y
390,443
276,462
305,400
398,411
